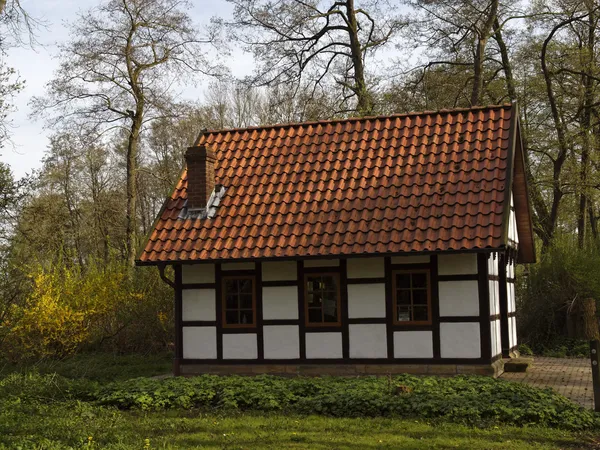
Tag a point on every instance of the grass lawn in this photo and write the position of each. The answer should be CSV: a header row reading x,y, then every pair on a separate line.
x,y
45,413
83,426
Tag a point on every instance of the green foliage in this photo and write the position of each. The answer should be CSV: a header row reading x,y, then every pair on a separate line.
x,y
102,367
105,306
559,347
550,288
54,412
469,400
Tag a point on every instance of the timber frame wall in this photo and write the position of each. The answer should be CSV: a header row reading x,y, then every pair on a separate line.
x,y
483,319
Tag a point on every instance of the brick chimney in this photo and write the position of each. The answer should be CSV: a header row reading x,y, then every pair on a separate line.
x,y
200,175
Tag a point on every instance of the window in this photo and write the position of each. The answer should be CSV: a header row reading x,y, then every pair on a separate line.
x,y
322,299
239,303
412,300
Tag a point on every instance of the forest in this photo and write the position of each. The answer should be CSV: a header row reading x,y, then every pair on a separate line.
x,y
71,231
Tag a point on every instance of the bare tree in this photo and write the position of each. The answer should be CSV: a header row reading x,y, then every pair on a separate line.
x,y
316,43
120,69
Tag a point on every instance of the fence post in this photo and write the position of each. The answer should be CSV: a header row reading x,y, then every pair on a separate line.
x,y
594,349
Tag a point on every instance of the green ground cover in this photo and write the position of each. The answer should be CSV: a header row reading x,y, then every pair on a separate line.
x,y
91,402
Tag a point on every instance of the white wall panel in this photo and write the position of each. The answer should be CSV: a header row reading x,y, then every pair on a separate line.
x,y
457,264
199,342
493,260
238,266
321,263
366,268
496,337
366,300
417,259
494,292
281,342
460,340
280,302
368,341
197,273
240,346
413,344
513,234
323,345
279,271
198,304
459,298
512,331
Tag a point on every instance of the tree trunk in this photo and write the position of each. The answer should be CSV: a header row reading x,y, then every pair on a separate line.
x,y
586,122
132,155
365,102
589,329
482,39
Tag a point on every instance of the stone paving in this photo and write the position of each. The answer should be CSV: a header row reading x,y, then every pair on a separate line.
x,y
571,377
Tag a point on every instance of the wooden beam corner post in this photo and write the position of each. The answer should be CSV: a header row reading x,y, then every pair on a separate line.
x,y
594,349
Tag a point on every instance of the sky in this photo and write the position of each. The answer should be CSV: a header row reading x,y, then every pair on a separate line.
x,y
36,66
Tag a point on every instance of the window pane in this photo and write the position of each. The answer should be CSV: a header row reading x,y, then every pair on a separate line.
x,y
231,317
329,283
420,313
314,315
330,308
314,300
419,297
246,301
246,317
231,302
403,297
231,286
403,280
245,286
419,280
403,313
312,284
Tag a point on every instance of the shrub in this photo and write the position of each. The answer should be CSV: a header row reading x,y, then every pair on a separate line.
x,y
102,307
549,291
470,400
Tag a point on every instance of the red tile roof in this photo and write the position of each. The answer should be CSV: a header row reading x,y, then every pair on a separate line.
x,y
423,182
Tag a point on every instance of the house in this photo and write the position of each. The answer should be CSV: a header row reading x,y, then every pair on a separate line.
x,y
353,246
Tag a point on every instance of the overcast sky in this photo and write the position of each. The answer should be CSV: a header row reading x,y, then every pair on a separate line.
x,y
37,65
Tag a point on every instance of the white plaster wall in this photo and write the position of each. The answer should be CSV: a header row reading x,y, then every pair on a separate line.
x,y
513,234
510,270
460,340
366,268
457,264
279,271
459,298
413,344
366,300
281,341
495,337
240,346
199,342
321,263
498,338
198,304
197,273
238,266
280,302
494,290
368,341
510,296
493,264
418,259
512,331
323,345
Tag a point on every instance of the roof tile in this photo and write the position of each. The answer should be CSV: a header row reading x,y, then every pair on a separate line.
x,y
430,181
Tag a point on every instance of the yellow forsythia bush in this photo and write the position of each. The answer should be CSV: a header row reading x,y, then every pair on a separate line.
x,y
108,307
